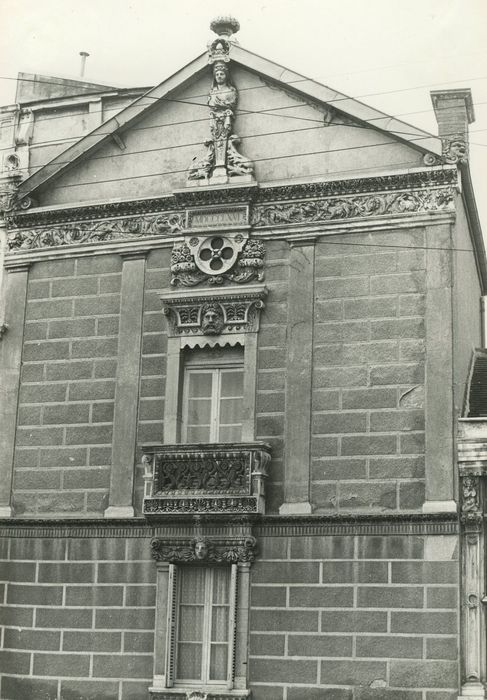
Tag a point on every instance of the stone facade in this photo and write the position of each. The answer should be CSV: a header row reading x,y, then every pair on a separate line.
x,y
352,315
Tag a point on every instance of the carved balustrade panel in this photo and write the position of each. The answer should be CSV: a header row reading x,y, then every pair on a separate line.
x,y
217,478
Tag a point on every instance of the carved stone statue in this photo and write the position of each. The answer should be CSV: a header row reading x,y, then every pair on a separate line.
x,y
222,159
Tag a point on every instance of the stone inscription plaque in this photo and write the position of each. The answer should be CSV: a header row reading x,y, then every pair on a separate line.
x,y
217,218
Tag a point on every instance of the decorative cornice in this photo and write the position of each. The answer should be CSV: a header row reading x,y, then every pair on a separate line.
x,y
230,194
265,526
214,312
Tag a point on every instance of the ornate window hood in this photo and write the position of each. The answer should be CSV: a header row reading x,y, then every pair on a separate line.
x,y
226,478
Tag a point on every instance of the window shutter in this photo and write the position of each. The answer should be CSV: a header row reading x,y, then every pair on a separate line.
x,y
172,604
232,625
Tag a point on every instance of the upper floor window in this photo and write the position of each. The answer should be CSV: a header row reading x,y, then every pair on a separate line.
x,y
213,396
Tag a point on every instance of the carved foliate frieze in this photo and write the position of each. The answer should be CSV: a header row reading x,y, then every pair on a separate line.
x,y
193,505
360,206
165,224
214,314
204,549
217,258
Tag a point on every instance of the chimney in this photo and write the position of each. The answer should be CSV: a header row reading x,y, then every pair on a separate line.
x,y
84,55
454,112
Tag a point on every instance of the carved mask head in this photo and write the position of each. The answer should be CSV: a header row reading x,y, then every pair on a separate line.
x,y
211,319
201,549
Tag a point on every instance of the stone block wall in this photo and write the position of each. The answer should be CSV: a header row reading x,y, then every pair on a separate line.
x,y
65,414
368,381
350,617
355,618
153,362
77,617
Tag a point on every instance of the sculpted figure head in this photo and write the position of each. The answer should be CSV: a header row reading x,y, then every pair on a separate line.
x,y
211,319
201,548
220,74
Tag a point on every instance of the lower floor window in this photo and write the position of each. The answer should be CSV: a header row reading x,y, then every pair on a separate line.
x,y
203,625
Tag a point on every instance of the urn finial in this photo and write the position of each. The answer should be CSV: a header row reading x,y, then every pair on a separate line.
x,y
225,26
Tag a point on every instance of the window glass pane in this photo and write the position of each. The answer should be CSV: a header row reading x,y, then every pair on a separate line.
x,y
230,411
199,384
192,589
199,412
232,383
219,624
189,661
230,433
221,584
218,662
198,434
191,623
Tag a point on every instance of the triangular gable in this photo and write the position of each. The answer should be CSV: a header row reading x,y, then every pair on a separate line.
x,y
289,80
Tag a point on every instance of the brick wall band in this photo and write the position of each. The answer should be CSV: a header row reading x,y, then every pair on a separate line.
x,y
348,617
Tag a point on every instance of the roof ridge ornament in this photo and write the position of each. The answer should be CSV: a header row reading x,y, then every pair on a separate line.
x,y
222,160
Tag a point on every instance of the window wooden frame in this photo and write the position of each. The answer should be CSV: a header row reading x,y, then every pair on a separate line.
x,y
204,363
166,634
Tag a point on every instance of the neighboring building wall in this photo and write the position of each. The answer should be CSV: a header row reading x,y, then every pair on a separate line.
x,y
466,305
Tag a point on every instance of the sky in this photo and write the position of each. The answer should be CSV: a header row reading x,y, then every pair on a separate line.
x,y
387,53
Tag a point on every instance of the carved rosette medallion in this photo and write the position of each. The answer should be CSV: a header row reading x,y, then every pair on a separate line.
x,y
217,258
231,550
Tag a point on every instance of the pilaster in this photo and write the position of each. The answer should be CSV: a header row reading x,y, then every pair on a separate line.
x,y
472,591
11,341
127,388
299,368
439,372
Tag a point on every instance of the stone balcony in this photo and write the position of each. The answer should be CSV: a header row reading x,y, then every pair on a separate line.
x,y
216,478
